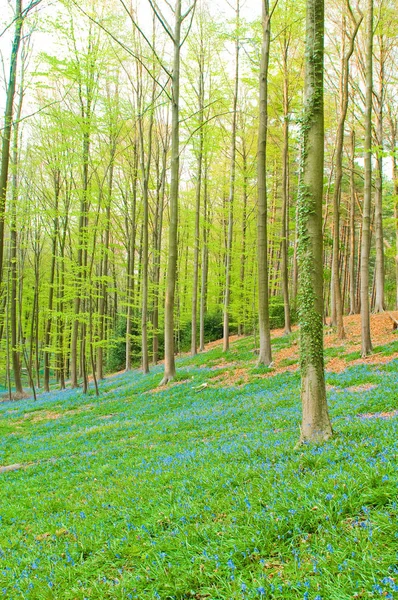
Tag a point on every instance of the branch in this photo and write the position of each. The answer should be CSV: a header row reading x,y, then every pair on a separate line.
x,y
161,19
192,8
145,38
122,45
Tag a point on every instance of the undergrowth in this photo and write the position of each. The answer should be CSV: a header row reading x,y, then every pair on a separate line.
x,y
198,492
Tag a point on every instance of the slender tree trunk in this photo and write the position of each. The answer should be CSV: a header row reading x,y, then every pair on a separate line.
x,y
205,259
242,315
47,334
359,253
197,205
265,354
393,145
169,360
228,257
15,353
365,248
316,424
105,263
157,248
344,97
351,268
80,272
6,133
379,238
145,175
285,189
131,258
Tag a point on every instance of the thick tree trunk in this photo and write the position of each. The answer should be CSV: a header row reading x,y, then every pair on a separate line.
x,y
316,424
265,354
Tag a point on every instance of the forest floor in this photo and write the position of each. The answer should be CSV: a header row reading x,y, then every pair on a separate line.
x,y
197,490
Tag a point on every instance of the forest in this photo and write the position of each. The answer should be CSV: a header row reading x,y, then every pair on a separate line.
x,y
198,298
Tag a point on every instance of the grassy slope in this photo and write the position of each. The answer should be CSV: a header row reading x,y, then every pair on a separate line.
x,y
186,493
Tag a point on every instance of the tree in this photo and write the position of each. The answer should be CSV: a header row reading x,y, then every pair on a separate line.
x,y
20,14
365,247
316,424
179,18
231,194
265,355
343,107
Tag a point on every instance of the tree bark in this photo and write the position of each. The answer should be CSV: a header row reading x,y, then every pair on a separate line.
x,y
15,353
265,354
47,335
316,424
231,196
205,262
197,204
6,137
351,267
393,123
285,189
169,359
366,342
379,238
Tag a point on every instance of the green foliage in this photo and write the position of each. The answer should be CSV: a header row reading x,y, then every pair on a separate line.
x,y
213,330
277,313
116,350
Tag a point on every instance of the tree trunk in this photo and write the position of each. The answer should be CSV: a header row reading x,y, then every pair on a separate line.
x,y
344,96
197,206
228,256
145,173
131,256
47,334
393,144
105,264
16,359
316,424
242,315
169,360
157,248
379,239
285,189
6,133
265,354
205,262
365,247
351,267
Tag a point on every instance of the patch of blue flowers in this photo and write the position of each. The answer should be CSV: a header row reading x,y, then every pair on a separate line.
x,y
183,493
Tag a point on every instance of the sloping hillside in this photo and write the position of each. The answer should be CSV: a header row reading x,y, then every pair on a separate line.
x,y
197,490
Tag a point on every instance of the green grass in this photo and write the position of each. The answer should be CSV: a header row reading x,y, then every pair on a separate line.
x,y
183,493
